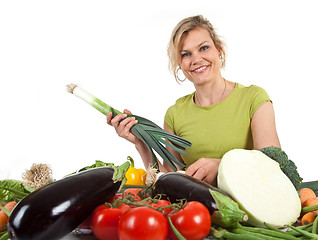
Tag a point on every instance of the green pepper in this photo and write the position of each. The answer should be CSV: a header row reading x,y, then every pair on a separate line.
x,y
135,176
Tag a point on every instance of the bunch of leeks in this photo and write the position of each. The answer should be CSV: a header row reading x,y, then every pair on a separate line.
x,y
148,132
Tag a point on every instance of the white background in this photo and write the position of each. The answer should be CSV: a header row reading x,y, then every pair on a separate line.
x,y
116,50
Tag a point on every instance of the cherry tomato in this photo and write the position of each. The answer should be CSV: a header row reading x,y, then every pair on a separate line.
x,y
104,221
193,221
142,223
161,203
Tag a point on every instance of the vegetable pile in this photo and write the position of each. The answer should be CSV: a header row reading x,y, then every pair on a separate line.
x,y
176,206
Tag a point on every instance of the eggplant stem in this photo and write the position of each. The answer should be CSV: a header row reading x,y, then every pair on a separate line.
x,y
228,213
120,173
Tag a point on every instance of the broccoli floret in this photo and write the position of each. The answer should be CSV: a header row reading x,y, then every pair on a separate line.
x,y
286,165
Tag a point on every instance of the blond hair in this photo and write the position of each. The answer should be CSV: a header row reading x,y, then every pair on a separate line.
x,y
182,28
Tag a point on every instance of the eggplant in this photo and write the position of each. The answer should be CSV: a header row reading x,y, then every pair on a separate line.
x,y
177,186
54,210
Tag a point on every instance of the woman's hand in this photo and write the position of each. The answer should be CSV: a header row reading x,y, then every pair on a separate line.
x,y
204,169
122,125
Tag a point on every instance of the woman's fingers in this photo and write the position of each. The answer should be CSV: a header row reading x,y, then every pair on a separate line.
x,y
109,118
115,120
125,125
195,170
200,173
124,128
204,169
127,111
122,124
191,170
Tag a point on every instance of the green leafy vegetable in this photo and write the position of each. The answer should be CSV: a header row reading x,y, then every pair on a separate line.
x,y
287,165
97,164
13,190
4,235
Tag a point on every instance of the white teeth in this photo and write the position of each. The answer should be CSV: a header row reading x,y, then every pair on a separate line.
x,y
200,69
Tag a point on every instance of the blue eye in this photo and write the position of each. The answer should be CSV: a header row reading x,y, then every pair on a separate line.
x,y
185,55
203,48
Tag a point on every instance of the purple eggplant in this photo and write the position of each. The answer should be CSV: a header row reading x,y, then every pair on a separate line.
x,y
53,211
177,186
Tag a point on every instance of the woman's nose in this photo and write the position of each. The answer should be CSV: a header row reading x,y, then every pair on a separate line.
x,y
196,58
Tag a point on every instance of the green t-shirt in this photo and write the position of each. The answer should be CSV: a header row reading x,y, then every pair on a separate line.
x,y
216,129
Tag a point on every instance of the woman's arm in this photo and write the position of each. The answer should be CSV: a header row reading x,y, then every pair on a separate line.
x,y
263,127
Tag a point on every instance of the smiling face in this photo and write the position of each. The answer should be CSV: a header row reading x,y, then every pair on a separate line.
x,y
199,58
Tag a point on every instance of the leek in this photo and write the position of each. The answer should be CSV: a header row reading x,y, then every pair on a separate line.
x,y
148,132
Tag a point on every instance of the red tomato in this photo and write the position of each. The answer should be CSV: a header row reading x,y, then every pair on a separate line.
x,y
142,223
134,192
104,221
115,197
193,221
162,203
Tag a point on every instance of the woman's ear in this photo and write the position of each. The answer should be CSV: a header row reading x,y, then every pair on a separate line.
x,y
221,57
220,53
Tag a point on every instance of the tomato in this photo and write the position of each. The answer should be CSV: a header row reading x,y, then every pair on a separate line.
x,y
104,221
161,203
142,223
193,221
137,193
115,197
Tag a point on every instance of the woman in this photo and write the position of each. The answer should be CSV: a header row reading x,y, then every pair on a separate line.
x,y
219,116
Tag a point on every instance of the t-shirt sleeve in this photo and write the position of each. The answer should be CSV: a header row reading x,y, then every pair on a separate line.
x,y
169,120
258,98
